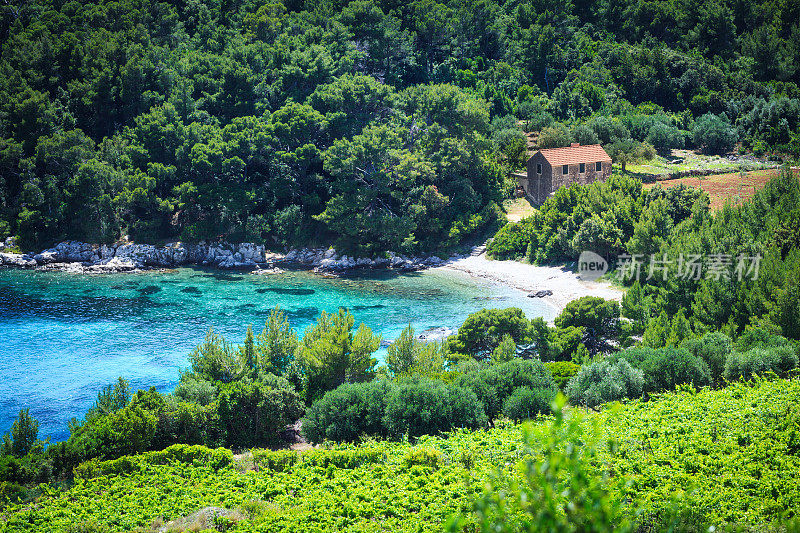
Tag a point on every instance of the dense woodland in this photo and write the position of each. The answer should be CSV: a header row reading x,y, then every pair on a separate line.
x,y
370,125
393,126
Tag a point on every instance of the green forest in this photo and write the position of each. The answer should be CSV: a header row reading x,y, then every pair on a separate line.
x,y
376,126
369,125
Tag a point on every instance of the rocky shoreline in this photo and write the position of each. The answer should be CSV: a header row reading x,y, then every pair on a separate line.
x,y
81,257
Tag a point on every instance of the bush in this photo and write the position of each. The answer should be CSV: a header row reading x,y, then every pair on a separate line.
x,y
744,365
252,414
348,412
426,407
713,348
605,381
494,384
511,241
562,372
666,368
664,137
181,453
525,403
714,133
348,458
424,457
275,460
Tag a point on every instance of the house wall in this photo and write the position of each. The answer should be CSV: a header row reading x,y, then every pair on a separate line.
x,y
574,176
539,187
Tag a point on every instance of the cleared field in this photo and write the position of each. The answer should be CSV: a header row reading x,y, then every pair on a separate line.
x,y
736,187
517,209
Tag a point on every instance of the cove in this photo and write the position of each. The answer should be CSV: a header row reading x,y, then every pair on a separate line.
x,y
65,336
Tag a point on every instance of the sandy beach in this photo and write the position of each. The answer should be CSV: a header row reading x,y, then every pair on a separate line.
x,y
565,284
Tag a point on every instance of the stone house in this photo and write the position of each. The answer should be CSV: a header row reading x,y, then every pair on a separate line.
x,y
552,168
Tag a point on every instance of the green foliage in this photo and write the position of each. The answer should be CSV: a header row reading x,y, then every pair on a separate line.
x,y
482,332
525,403
332,354
760,361
423,407
604,381
562,371
505,351
704,448
714,133
251,413
666,368
215,359
598,318
558,491
276,345
598,217
348,412
492,385
232,120
22,438
713,348
408,356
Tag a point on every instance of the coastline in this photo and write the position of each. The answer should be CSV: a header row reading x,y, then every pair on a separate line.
x,y
554,285
563,283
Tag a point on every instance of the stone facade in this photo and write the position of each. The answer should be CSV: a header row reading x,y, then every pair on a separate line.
x,y
546,170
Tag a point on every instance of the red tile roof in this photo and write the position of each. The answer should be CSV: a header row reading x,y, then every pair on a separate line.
x,y
572,155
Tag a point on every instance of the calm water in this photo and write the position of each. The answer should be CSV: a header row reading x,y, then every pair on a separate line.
x,y
65,336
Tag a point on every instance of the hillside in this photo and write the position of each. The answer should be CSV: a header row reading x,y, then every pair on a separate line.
x,y
371,125
731,455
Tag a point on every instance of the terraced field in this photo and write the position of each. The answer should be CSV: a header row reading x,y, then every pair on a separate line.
x,y
735,186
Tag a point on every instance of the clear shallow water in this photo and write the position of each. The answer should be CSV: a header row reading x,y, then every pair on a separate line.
x,y
64,336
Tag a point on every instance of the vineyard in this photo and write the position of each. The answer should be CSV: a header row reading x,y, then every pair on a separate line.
x,y
731,456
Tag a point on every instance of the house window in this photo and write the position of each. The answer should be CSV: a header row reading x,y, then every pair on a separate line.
x,y
582,168
538,168
565,169
598,167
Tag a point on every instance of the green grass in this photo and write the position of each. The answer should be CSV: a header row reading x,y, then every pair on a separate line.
x,y
731,455
692,161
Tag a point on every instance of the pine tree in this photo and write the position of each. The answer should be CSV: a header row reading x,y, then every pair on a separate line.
x,y
657,332
401,354
680,329
506,351
23,435
249,354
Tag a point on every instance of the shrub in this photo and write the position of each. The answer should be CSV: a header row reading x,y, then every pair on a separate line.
x,y
195,455
511,241
348,412
562,372
713,348
275,460
525,403
605,381
348,458
494,384
195,390
559,490
252,414
424,457
424,407
759,361
666,368
714,133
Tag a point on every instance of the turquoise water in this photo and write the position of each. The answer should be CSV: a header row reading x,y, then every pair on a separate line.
x,y
65,336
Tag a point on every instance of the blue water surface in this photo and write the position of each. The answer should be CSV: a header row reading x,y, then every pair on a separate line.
x,y
64,336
